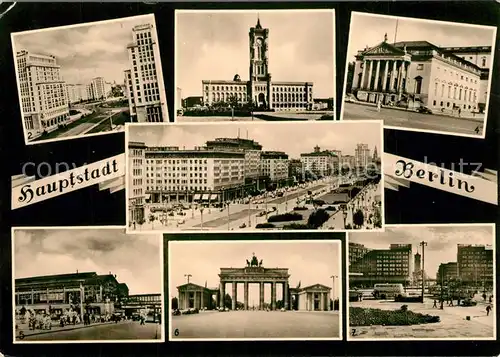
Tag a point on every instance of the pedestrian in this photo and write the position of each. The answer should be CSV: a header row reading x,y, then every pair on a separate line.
x,y
134,225
459,112
488,309
451,302
491,298
484,296
435,304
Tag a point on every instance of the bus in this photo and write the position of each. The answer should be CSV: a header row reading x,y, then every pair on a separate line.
x,y
385,291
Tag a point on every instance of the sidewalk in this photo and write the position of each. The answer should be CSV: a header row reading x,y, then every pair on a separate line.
x,y
56,328
475,118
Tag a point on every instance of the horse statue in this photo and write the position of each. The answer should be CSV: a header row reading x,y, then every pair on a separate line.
x,y
254,262
260,263
248,263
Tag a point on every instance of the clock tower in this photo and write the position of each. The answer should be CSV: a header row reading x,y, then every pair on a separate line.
x,y
259,55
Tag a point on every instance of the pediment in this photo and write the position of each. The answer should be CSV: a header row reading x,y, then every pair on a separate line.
x,y
383,49
316,287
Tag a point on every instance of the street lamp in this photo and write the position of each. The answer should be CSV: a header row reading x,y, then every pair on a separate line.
x,y
333,290
227,204
344,213
201,217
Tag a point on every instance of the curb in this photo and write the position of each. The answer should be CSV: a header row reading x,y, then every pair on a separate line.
x,y
43,332
413,111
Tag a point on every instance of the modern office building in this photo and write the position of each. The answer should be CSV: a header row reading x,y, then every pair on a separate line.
x,y
259,89
136,172
362,156
446,273
417,72
250,148
198,174
391,265
43,93
320,162
80,292
274,164
357,252
475,264
146,92
76,93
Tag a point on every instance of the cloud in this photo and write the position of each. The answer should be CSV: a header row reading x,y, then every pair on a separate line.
x,y
369,29
216,46
134,259
86,51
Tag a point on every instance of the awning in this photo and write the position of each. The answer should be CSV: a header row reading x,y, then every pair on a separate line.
x,y
205,197
197,196
213,197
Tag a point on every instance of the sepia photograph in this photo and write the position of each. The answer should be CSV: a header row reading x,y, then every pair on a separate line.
x,y
244,65
86,285
89,79
419,75
257,290
245,176
422,282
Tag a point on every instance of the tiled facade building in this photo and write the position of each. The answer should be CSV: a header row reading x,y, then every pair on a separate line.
x,y
44,97
321,163
136,192
447,272
274,164
475,264
145,87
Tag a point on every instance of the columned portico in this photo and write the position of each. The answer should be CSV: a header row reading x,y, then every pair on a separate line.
x,y
255,273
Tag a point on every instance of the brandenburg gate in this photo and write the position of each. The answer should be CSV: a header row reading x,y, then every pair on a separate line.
x,y
254,272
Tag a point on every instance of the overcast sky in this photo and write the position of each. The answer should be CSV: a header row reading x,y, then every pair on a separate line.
x,y
135,259
215,45
84,52
441,241
292,138
308,262
369,29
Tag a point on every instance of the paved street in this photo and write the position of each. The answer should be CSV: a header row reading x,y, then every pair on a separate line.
x,y
126,330
410,119
85,127
183,119
453,322
257,324
288,115
238,214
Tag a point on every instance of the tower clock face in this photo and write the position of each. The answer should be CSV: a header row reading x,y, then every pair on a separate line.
x,y
259,42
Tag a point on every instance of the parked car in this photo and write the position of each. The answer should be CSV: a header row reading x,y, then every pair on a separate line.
x,y
355,295
176,312
424,110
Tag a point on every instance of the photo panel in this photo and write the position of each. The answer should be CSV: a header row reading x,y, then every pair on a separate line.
x,y
419,75
422,282
89,79
240,287
86,285
254,176
245,65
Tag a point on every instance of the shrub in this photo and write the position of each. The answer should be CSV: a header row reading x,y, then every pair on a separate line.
x,y
300,208
265,225
317,218
359,316
358,218
285,217
296,226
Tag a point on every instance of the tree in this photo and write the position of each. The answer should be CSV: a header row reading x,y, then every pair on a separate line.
x,y
175,303
317,218
233,101
377,218
350,76
358,218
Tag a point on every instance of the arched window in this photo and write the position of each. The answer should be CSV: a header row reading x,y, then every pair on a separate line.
x,y
418,85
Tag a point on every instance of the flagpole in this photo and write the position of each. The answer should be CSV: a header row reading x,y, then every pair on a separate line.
x,y
396,31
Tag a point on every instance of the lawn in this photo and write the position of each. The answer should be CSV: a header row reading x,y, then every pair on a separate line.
x,y
359,316
119,119
92,118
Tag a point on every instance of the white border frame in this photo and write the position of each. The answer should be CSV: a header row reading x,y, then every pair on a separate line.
x,y
346,296
161,84
260,11
245,123
486,109
120,228
338,282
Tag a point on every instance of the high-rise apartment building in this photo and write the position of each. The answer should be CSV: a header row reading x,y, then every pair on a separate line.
x,y
362,155
274,164
475,264
136,192
145,87
320,162
44,98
